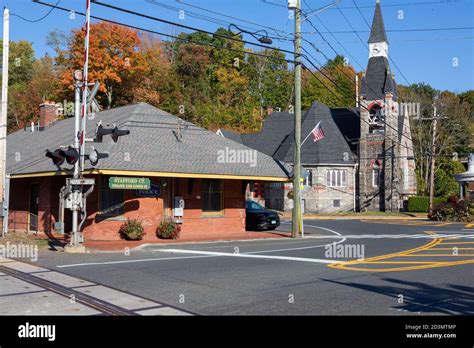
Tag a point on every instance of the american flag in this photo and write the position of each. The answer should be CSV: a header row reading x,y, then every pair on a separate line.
x,y
317,132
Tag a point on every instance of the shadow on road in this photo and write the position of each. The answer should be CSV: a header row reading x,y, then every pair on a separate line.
x,y
419,297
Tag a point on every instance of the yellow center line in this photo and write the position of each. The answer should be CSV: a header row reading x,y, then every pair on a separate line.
x,y
469,226
452,248
458,243
422,255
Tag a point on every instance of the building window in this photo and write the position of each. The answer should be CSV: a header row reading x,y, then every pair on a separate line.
x,y
308,180
376,177
336,203
212,196
111,201
336,178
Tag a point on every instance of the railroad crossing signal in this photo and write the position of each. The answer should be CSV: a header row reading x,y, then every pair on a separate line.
x,y
114,131
69,154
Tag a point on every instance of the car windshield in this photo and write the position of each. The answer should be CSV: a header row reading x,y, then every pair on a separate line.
x,y
253,206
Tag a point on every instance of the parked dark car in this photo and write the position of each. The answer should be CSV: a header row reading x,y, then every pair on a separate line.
x,y
259,218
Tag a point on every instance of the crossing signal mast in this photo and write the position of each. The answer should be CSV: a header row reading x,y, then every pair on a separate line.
x,y
74,195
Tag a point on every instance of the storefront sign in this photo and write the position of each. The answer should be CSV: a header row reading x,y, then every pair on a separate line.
x,y
125,183
154,191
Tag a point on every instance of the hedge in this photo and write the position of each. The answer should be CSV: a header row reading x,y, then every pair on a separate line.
x,y
420,204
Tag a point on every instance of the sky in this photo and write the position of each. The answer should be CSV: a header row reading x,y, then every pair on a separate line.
x,y
442,58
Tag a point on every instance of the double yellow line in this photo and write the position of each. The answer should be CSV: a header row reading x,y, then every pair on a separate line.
x,y
415,265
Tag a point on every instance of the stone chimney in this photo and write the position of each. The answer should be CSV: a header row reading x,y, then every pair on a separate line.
x,y
48,114
269,110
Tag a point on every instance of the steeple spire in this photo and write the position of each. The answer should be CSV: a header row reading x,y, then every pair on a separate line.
x,y
377,33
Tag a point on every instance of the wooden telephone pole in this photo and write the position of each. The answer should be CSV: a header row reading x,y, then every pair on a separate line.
x,y
3,121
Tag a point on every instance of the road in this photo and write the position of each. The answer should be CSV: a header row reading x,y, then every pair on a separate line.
x,y
341,267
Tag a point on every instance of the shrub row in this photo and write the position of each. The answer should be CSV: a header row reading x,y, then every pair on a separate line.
x,y
132,229
453,210
420,204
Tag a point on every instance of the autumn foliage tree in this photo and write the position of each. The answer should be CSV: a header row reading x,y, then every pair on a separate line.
x,y
113,57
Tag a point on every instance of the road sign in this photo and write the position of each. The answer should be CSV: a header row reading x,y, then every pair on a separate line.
x,y
82,181
126,183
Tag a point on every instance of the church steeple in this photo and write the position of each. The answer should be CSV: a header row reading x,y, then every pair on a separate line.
x,y
378,80
377,33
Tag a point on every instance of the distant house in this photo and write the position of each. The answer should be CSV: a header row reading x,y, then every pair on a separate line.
x,y
186,165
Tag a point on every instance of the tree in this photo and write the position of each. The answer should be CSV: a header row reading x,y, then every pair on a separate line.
x,y
113,57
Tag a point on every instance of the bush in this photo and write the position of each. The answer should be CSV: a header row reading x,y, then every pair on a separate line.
x,y
132,230
420,204
168,229
453,210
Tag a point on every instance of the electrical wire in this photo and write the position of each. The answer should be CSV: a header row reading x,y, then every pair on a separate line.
x,y
39,19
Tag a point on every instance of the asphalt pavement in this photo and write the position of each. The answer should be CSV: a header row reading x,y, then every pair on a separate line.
x,y
340,267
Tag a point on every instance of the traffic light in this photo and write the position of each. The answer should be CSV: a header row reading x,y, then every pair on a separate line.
x,y
69,154
95,156
113,131
56,156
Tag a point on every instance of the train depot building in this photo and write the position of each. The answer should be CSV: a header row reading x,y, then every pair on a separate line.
x,y
165,167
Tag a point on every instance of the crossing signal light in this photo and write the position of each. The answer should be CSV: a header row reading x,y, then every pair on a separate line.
x,y
69,154
56,156
116,133
95,156
113,131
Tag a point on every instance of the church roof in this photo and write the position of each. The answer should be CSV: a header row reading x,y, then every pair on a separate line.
x,y
378,80
276,138
377,33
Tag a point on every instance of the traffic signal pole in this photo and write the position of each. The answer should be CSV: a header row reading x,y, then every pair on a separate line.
x,y
296,214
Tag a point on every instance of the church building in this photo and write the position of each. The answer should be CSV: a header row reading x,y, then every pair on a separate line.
x,y
365,162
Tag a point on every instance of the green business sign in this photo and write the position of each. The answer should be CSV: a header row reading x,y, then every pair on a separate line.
x,y
124,183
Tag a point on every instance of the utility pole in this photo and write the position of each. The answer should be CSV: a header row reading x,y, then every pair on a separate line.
x,y
3,121
296,216
433,158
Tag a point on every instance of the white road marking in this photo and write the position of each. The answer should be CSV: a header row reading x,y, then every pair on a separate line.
x,y
247,255
128,261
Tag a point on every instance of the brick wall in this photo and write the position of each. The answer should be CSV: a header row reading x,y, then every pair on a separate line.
x,y
150,210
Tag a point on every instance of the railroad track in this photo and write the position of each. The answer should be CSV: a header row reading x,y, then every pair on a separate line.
x,y
79,297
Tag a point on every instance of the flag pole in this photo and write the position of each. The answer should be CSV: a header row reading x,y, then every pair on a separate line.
x,y
310,133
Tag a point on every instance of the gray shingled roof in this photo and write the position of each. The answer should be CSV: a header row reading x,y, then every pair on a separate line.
x,y
329,150
378,80
274,130
276,137
377,32
151,146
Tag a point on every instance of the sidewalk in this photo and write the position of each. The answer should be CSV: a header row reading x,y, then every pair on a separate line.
x,y
359,216
120,245
26,289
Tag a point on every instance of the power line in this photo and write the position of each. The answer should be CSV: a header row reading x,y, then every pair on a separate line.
x,y
392,30
335,38
235,18
335,84
168,35
209,44
97,2
39,19
389,57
